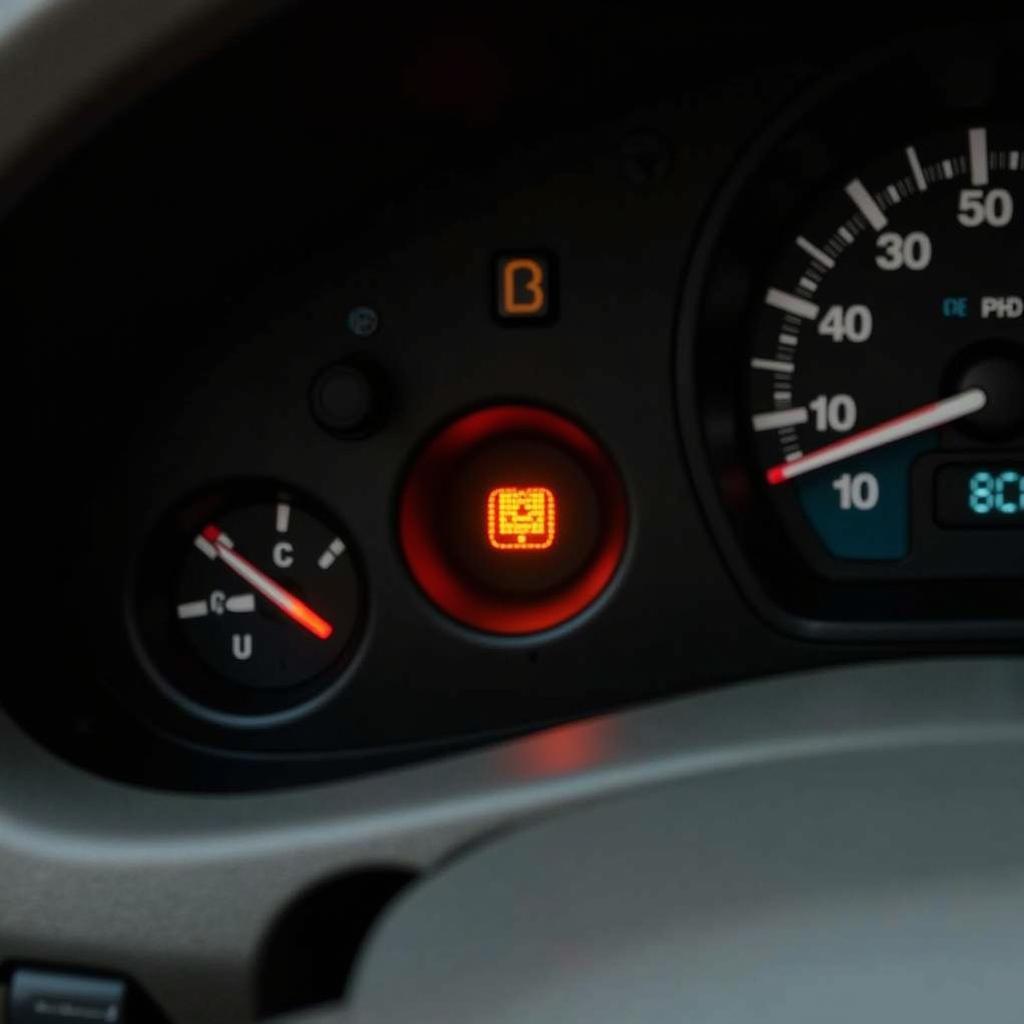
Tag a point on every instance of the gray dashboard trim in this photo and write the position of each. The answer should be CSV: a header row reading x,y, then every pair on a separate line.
x,y
178,891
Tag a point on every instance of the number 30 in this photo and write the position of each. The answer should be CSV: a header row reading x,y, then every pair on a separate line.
x,y
913,251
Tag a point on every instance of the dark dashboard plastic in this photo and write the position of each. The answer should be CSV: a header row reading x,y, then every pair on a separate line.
x,y
177,284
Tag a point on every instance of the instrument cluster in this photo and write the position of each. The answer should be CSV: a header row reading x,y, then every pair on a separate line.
x,y
526,427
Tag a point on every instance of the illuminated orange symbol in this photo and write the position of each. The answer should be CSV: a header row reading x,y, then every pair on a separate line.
x,y
523,287
521,518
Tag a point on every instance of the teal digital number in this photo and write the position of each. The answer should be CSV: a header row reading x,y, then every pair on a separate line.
x,y
990,492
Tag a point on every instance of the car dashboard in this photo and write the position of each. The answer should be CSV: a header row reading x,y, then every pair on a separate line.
x,y
387,393
339,310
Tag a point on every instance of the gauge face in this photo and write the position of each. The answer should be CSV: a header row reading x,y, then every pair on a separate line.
x,y
267,595
886,374
250,594
851,364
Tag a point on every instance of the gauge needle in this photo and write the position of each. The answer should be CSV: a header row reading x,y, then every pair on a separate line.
x,y
925,417
263,584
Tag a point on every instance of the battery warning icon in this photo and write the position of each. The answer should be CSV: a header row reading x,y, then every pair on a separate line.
x,y
521,518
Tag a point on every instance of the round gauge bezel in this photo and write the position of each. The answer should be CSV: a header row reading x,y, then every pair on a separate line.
x,y
468,599
810,146
170,663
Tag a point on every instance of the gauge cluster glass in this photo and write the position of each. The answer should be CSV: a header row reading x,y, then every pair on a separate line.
x,y
503,421
855,353
895,330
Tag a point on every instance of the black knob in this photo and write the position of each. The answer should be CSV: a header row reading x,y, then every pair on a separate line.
x,y
346,399
1001,377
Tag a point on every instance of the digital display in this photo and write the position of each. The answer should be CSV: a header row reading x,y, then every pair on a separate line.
x,y
980,495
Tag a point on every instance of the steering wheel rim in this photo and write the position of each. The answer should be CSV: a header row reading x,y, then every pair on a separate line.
x,y
215,872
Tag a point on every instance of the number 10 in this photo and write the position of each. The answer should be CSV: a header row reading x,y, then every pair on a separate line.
x,y
857,491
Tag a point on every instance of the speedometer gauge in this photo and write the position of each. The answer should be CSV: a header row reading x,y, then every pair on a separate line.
x,y
852,371
893,339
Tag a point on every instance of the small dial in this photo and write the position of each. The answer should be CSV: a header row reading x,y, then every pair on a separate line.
x,y
268,595
250,603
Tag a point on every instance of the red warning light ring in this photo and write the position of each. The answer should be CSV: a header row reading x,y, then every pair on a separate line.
x,y
467,600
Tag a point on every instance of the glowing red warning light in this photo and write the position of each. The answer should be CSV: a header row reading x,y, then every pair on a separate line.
x,y
521,518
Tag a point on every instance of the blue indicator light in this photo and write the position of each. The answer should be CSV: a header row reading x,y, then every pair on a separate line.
x,y
955,307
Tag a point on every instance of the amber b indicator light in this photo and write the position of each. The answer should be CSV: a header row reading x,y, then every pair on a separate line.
x,y
525,289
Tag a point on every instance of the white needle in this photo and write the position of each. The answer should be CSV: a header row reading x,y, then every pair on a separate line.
x,y
926,417
295,609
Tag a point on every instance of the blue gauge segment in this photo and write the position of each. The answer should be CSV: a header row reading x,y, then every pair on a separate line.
x,y
860,508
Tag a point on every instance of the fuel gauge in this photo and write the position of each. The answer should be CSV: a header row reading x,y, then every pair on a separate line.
x,y
245,599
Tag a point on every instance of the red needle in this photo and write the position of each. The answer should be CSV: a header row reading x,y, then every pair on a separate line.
x,y
262,583
925,417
